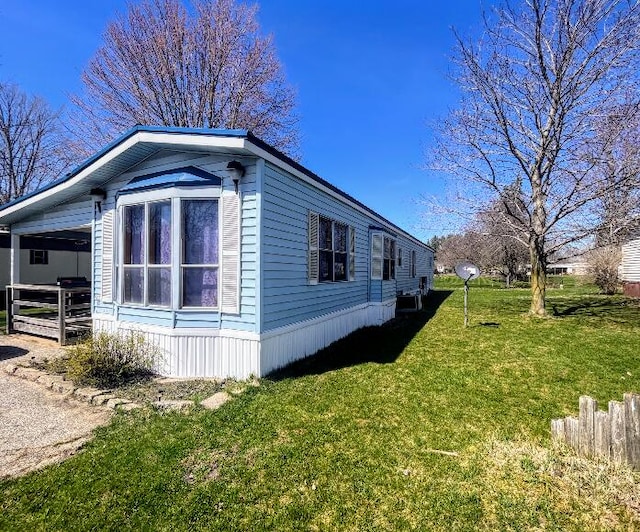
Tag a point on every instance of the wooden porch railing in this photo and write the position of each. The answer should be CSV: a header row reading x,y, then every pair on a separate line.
x,y
49,310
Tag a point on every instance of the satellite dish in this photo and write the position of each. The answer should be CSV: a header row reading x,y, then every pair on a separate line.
x,y
467,271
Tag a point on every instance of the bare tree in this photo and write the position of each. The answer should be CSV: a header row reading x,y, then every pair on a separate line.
x,y
617,208
535,87
30,147
205,67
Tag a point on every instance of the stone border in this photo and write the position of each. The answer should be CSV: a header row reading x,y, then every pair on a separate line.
x,y
68,390
106,398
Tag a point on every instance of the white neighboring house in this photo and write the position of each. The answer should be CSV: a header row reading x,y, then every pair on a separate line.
x,y
631,267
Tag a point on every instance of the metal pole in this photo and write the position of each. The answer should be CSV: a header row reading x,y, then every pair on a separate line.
x,y
466,292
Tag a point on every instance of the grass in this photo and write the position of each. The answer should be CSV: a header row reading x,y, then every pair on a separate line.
x,y
419,424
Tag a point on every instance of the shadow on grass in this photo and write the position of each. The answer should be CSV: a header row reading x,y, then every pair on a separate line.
x,y
613,308
382,345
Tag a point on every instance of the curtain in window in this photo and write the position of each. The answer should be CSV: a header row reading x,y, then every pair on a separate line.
x,y
200,253
134,254
159,281
134,234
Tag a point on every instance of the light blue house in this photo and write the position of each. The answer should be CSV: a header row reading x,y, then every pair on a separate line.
x,y
231,257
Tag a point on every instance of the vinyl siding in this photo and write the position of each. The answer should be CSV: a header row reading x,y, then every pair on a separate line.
x,y
288,296
631,261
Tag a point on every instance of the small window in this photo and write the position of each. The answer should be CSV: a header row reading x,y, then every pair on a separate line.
x,y
399,257
335,250
38,256
389,263
413,264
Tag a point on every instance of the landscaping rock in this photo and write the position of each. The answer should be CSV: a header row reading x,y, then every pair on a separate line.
x,y
27,373
113,403
66,387
87,394
10,369
48,380
173,404
215,401
101,399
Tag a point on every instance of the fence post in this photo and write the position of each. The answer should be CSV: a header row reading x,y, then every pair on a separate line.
x,y
557,430
62,314
572,430
616,416
9,295
602,442
632,428
588,407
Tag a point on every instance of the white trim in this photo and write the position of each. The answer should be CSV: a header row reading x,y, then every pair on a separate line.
x,y
177,331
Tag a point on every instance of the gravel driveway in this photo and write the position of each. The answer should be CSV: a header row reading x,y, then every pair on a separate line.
x,y
37,427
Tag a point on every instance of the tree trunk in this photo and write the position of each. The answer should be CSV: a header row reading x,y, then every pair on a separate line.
x,y
538,280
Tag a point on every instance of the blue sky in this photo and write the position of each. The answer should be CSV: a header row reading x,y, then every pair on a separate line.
x,y
370,77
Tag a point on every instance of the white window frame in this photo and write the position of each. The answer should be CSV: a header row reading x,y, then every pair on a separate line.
x,y
175,195
378,259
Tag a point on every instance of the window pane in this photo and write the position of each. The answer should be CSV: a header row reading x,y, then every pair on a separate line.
x,y
387,248
200,287
386,270
134,234
133,285
160,233
341,237
159,288
200,232
326,266
340,267
325,240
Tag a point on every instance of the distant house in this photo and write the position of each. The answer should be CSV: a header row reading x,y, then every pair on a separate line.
x,y
631,267
231,257
572,266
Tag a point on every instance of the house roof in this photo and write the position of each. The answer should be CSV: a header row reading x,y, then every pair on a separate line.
x,y
141,142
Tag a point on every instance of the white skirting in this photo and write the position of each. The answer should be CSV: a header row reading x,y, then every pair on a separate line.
x,y
227,353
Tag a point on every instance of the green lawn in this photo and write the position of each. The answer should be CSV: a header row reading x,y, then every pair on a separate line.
x,y
420,424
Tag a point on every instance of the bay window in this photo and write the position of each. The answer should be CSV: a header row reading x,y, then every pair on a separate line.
x,y
153,248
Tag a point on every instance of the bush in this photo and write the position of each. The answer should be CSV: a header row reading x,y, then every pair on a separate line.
x,y
111,359
603,268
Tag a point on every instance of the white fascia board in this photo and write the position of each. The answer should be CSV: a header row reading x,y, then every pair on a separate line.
x,y
194,141
301,175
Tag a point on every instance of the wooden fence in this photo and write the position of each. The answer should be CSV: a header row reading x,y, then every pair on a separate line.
x,y
614,434
48,310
